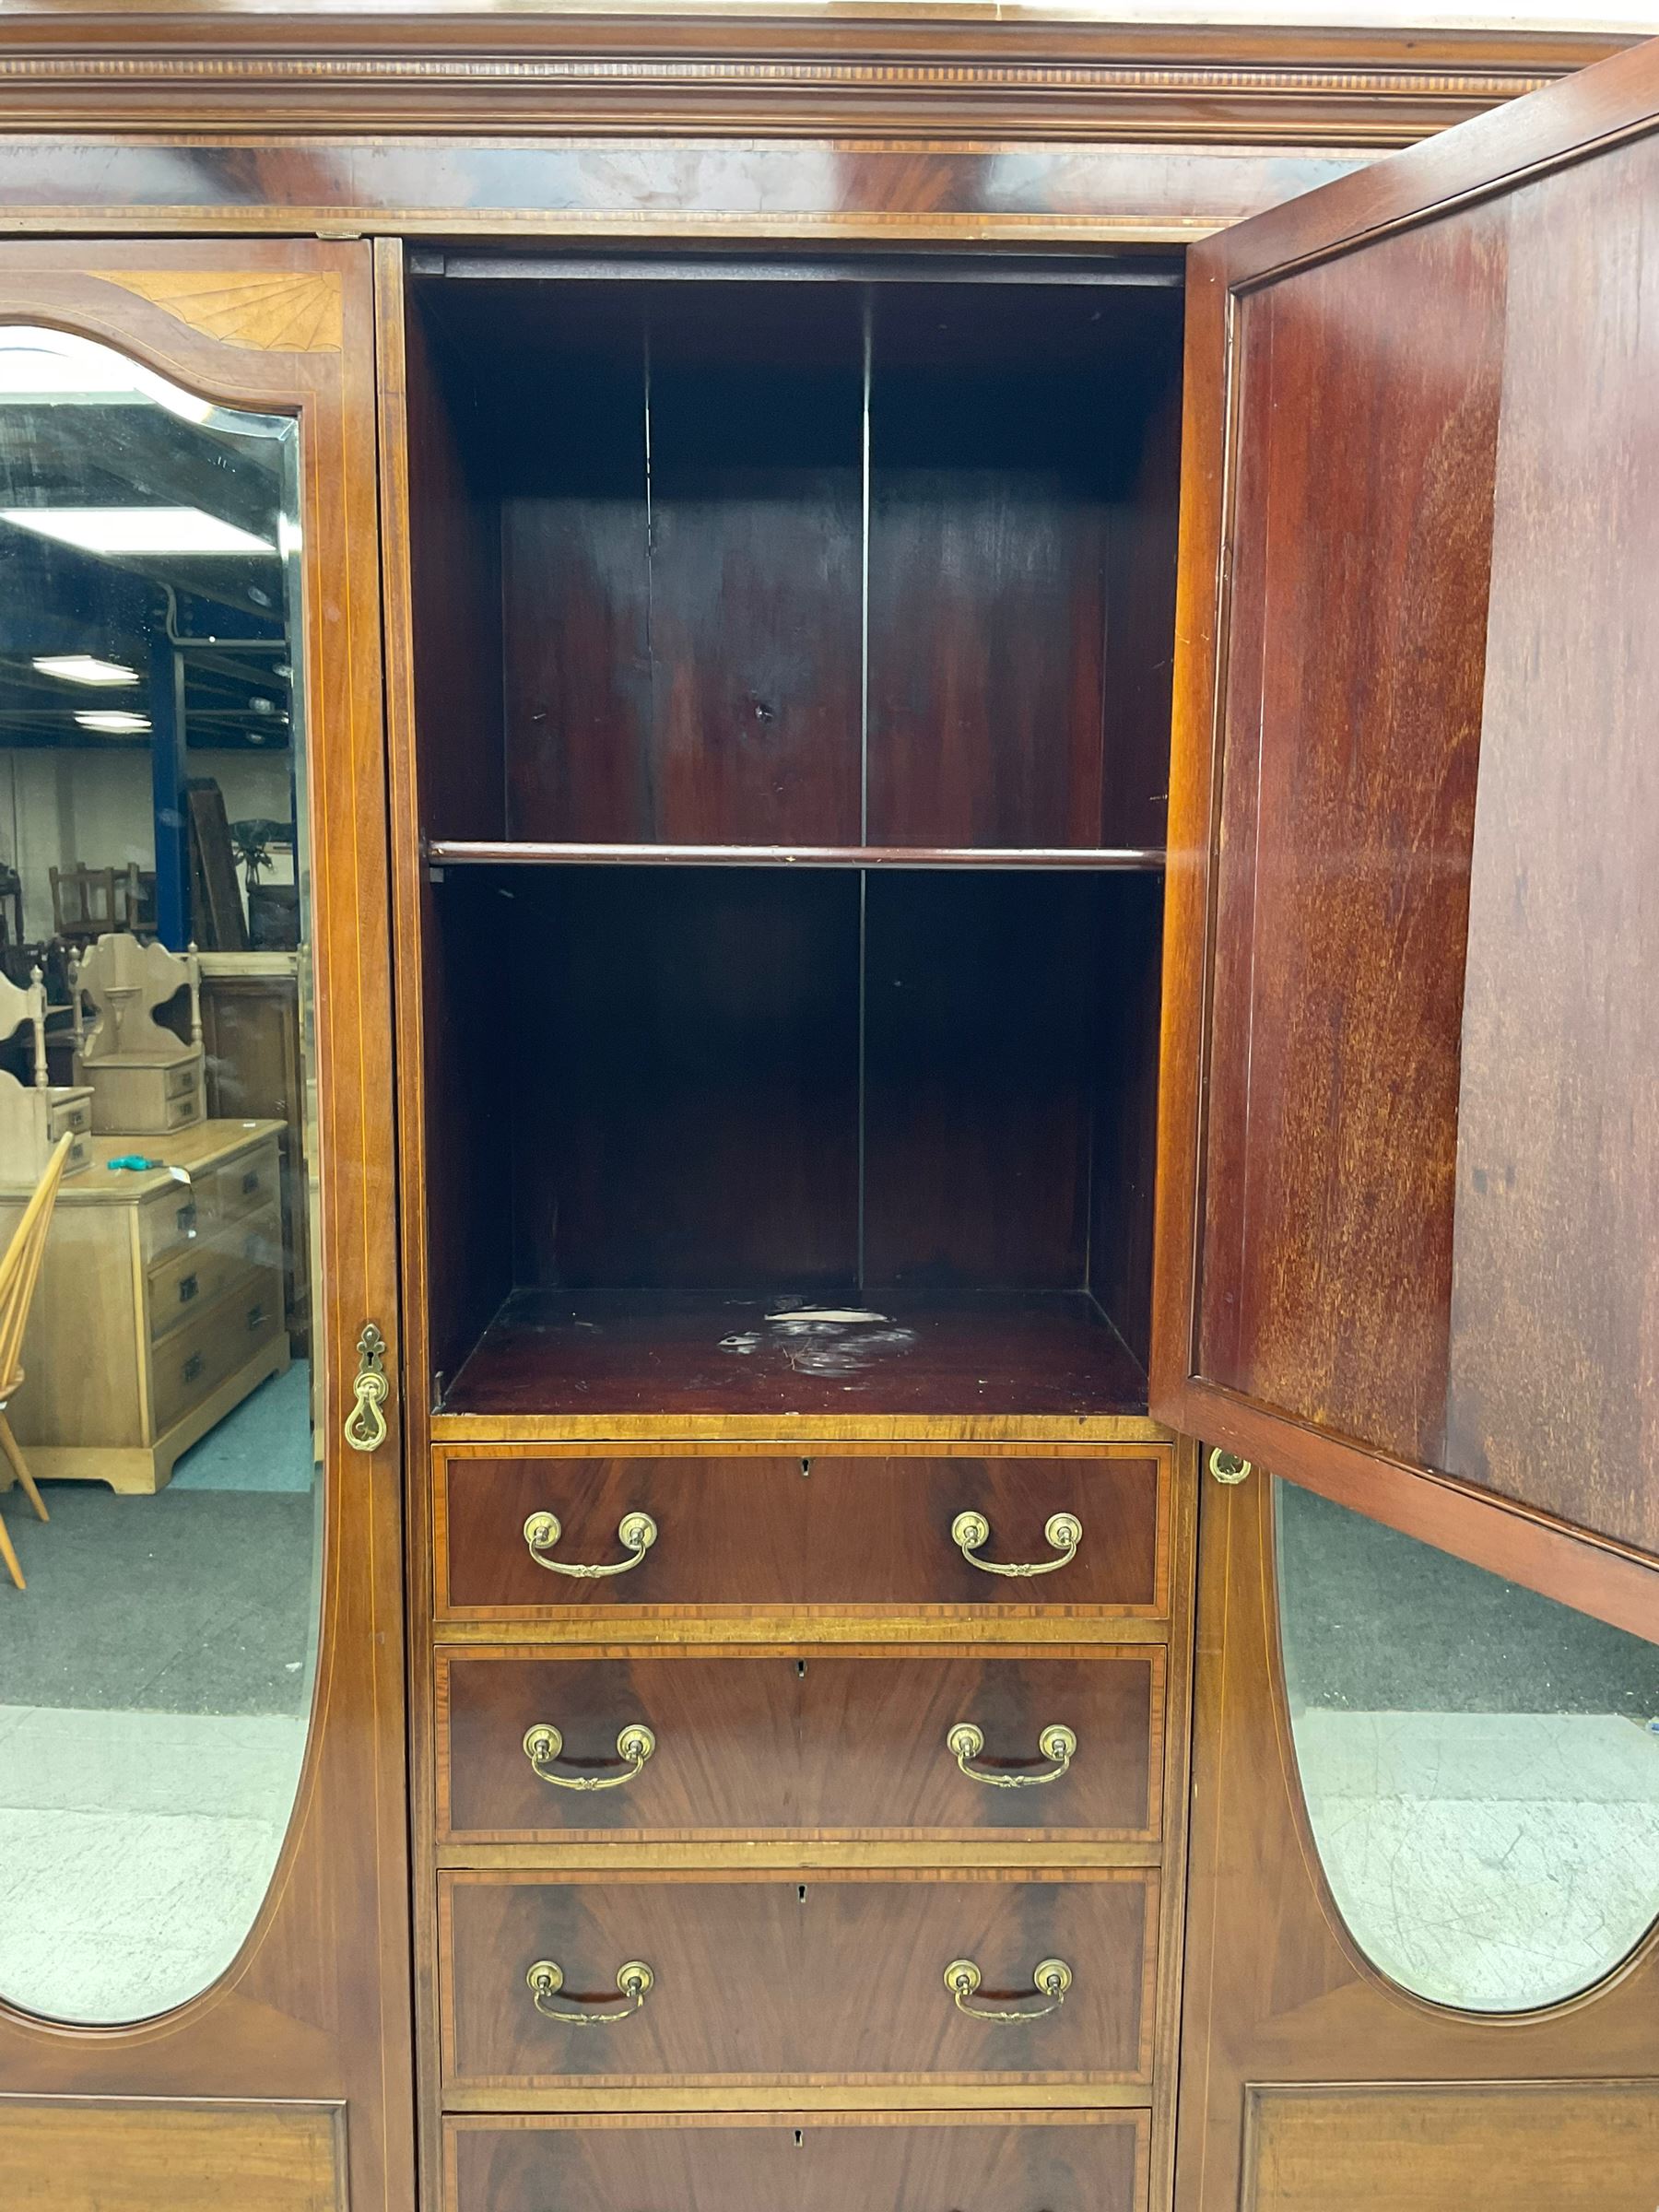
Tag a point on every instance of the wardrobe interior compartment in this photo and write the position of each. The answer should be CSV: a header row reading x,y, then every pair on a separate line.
x,y
792,654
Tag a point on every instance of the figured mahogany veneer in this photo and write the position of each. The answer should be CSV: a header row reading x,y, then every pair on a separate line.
x,y
798,2162
762,1981
1407,1218
776,1742
796,1532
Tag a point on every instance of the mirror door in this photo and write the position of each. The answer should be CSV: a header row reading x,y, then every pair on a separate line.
x,y
1424,1877
203,1895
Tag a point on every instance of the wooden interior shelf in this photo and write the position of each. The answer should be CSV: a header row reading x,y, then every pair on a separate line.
x,y
716,1352
460,853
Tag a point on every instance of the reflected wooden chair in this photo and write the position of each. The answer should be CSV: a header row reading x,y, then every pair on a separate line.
x,y
19,1272
83,903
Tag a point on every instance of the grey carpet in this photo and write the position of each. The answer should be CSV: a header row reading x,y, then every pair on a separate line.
x,y
185,1602
1377,1622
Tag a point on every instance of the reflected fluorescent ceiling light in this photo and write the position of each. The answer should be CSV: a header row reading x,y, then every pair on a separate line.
x,y
116,722
53,367
137,530
85,668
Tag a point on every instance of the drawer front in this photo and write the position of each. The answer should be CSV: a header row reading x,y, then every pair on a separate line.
x,y
248,1182
820,1744
190,1363
193,1279
177,1220
182,1082
797,2162
761,1531
181,1110
764,1981
69,1115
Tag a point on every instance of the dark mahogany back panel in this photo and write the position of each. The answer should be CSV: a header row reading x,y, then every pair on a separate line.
x,y
682,585
988,530
706,1078
982,1006
821,561
686,1077
1081,2162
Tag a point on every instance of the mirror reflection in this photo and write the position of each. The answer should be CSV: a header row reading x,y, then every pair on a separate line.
x,y
159,1485
1480,1765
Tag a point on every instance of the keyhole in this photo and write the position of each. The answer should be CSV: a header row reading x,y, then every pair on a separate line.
x,y
801,1669
805,1470
801,1893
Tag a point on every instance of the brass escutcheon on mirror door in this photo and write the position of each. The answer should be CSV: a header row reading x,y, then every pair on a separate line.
x,y
636,1534
965,1742
1050,1977
545,1979
544,1743
365,1424
970,1532
1228,1467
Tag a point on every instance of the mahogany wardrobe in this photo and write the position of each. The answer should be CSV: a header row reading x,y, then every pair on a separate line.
x,y
933,747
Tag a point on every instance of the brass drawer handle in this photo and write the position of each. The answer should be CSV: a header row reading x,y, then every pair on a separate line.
x,y
636,1534
250,1182
256,1315
185,1219
191,1367
188,1286
965,1742
1064,1531
545,1980
544,1743
1050,1978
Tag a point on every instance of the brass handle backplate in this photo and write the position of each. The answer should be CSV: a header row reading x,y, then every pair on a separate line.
x,y
365,1424
968,1531
965,1742
1050,1978
1228,1467
636,1534
545,1979
544,1743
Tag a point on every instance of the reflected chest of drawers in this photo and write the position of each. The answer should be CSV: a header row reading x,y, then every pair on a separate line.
x,y
159,1305
798,1821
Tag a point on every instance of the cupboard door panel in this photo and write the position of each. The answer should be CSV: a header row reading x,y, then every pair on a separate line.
x,y
763,1979
797,2162
1407,1215
823,1533
1346,817
776,1742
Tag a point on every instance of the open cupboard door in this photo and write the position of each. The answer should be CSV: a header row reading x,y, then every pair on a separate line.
x,y
1409,1200
1408,1248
